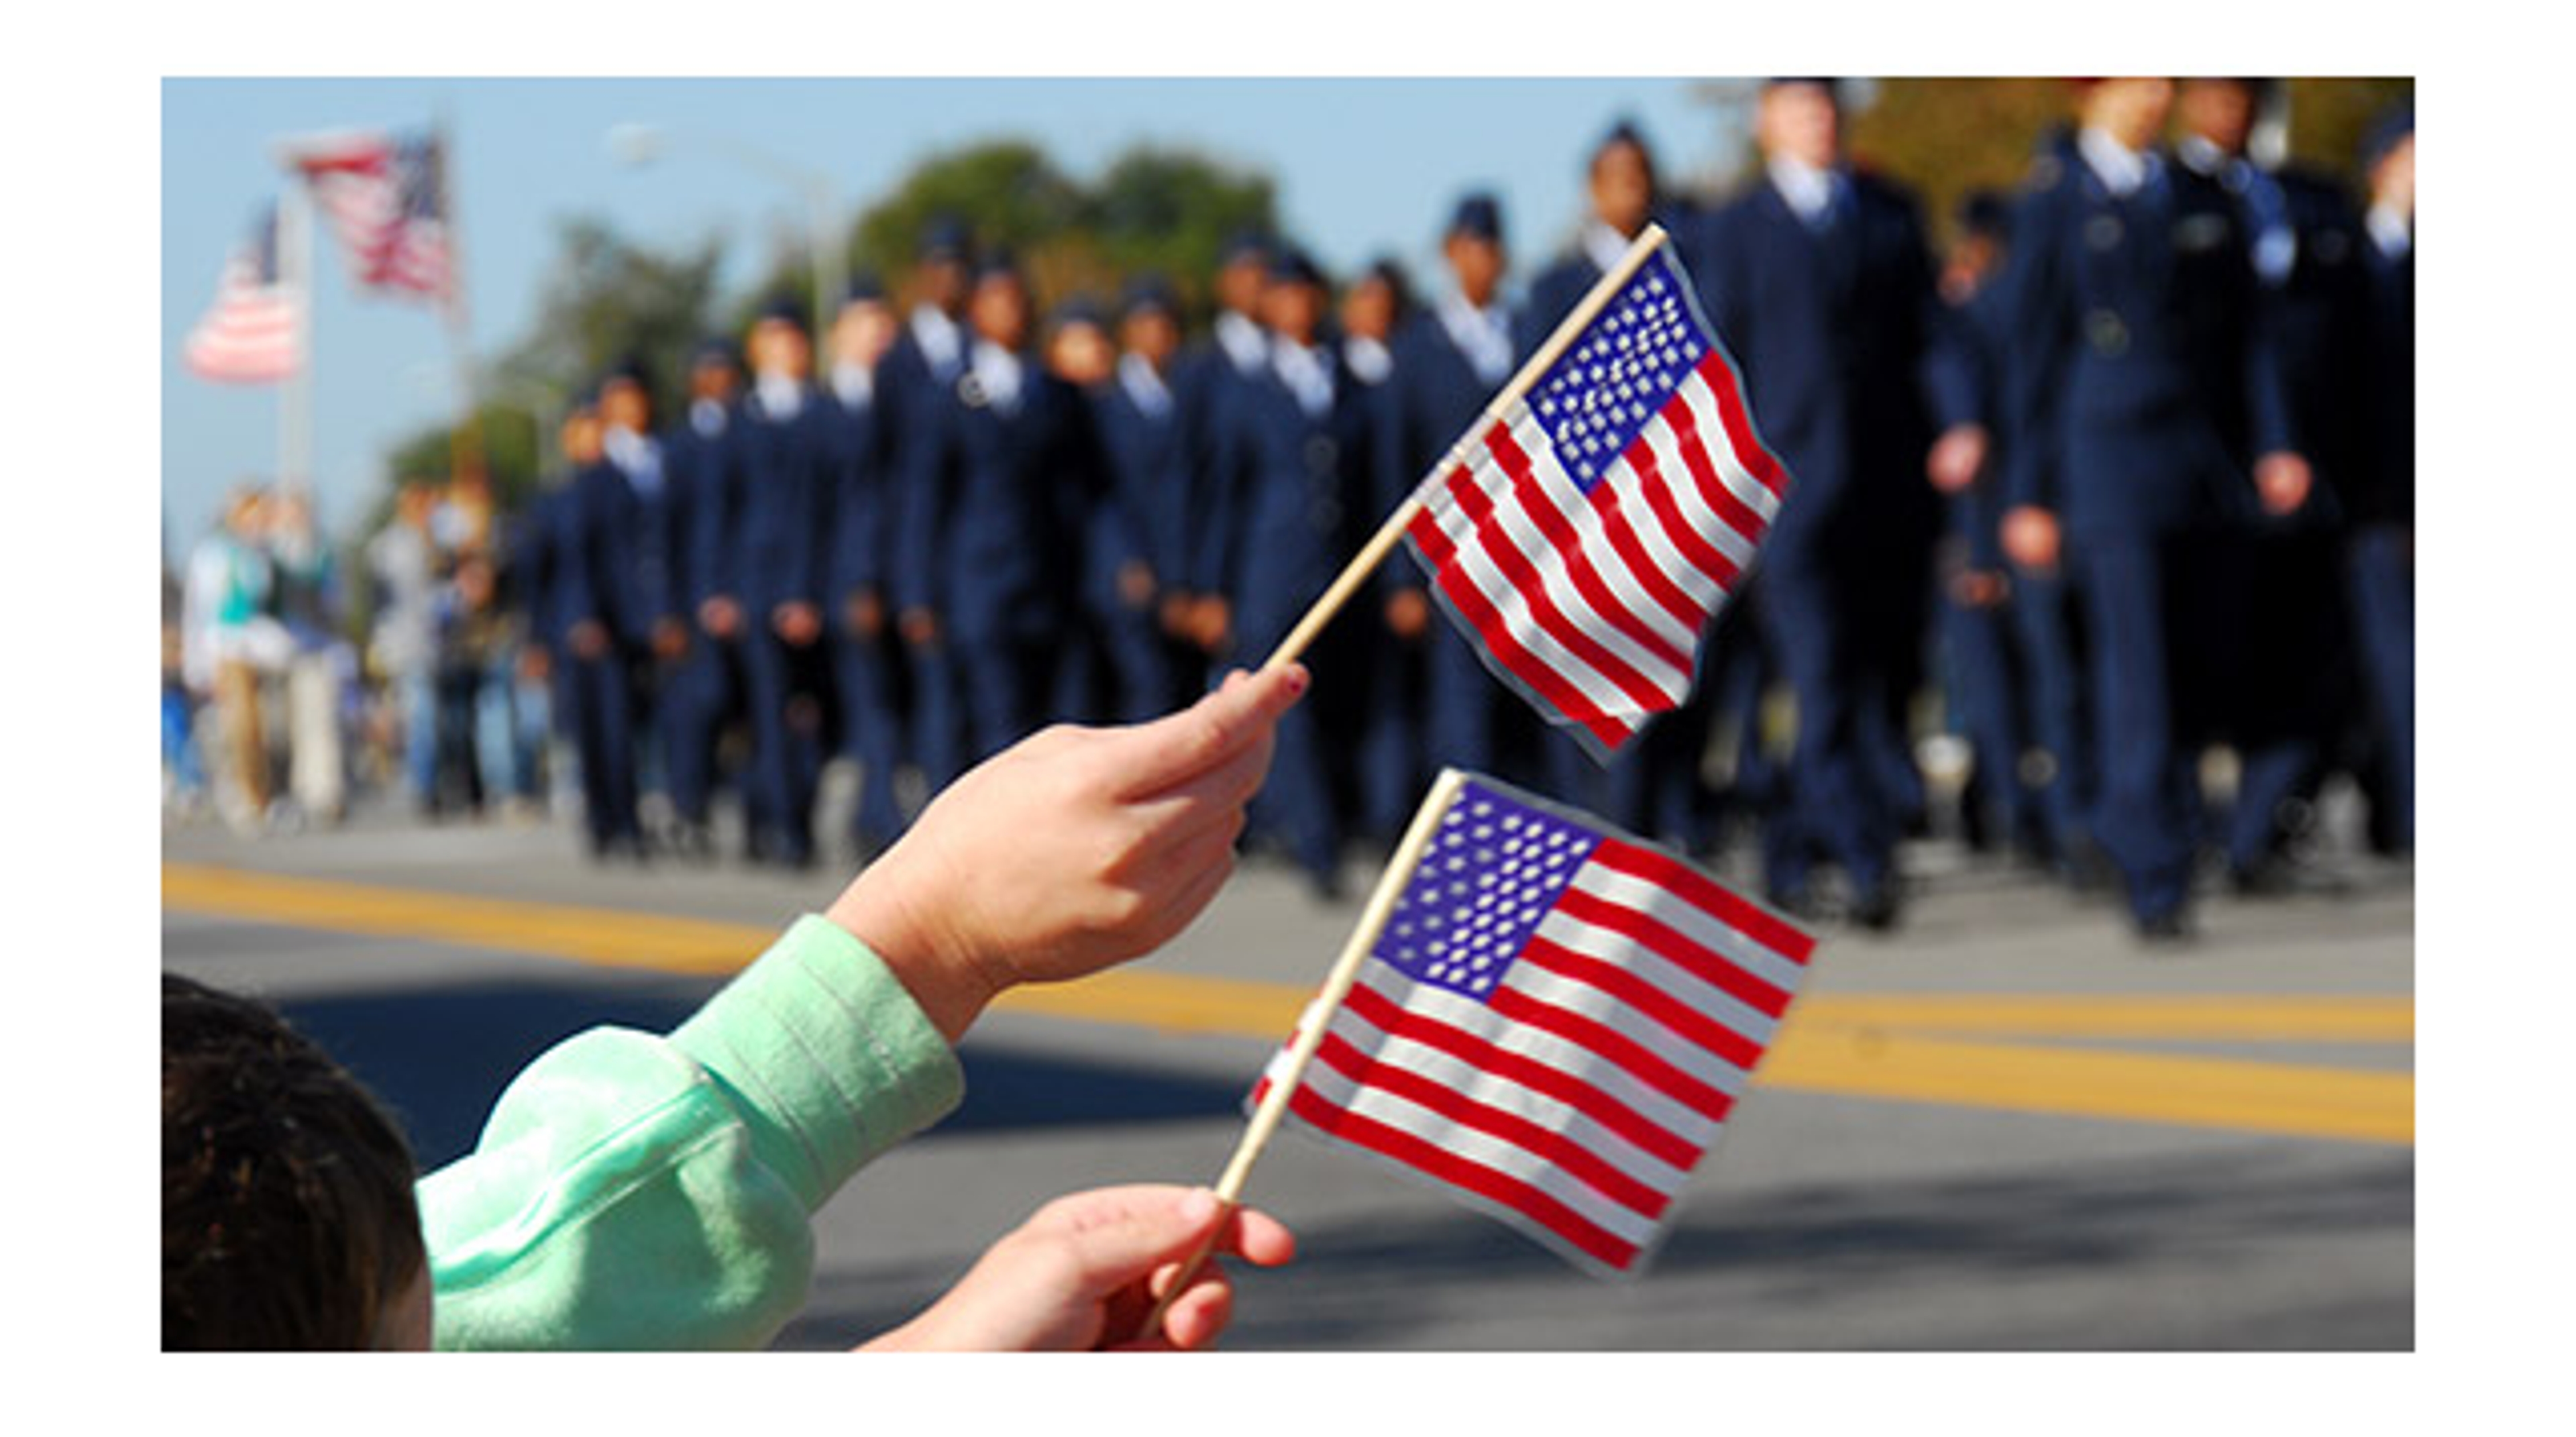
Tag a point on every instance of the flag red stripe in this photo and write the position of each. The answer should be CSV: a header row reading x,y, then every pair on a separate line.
x,y
1649,866
1483,1181
1621,527
1758,461
1730,510
1524,577
1557,528
1585,1165
1688,1023
1675,948
1683,534
1541,676
1614,1046
1398,1022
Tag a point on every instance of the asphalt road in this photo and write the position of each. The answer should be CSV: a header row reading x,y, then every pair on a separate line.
x,y
2003,1127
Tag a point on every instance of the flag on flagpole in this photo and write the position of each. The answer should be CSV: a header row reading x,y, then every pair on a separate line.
x,y
252,334
1583,539
385,197
1555,1022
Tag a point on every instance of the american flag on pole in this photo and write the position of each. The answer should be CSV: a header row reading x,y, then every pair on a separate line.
x,y
253,333
386,198
1554,1022
1584,539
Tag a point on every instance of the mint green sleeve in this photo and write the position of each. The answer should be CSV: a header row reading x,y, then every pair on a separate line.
x,y
639,1192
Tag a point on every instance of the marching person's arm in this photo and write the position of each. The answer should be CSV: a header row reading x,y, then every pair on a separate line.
x,y
637,1191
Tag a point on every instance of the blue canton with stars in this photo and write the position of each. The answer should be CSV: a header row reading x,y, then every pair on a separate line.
x,y
1487,877
1614,377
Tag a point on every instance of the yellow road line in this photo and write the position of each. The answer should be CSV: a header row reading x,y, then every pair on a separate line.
x,y
1898,1046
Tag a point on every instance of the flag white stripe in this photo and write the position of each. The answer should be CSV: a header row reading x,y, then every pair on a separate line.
x,y
1511,520
1739,480
1510,1159
1474,1019
1719,1006
1513,608
1494,1091
1629,487
1584,1000
1692,922
1720,535
1591,531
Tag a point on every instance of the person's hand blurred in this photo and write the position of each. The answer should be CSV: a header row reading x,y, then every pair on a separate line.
x,y
1211,623
2282,480
720,617
864,615
2030,537
1136,583
670,638
919,627
1979,588
1177,610
796,622
1957,458
1084,1273
535,663
588,639
1072,850
1408,614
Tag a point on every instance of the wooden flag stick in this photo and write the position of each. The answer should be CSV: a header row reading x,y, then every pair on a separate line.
x,y
1391,533
1310,1032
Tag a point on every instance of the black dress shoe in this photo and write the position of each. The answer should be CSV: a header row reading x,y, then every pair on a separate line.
x,y
1796,901
1876,909
2170,929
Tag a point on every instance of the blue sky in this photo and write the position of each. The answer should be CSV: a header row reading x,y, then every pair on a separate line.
x,y
1363,166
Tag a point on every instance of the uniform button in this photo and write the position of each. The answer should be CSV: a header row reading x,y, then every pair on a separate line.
x,y
1320,455
2107,333
2103,232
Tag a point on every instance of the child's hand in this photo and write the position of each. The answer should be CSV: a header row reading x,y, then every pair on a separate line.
x,y
1070,851
1086,1271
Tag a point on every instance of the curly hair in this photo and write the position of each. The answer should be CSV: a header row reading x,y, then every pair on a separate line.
x,y
287,1216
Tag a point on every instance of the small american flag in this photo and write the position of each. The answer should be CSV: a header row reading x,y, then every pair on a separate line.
x,y
386,198
251,334
1584,539
1554,1022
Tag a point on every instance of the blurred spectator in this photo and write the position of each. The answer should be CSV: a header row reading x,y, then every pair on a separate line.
x,y
404,559
228,640
307,602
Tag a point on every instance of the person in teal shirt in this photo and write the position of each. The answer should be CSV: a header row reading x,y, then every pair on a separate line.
x,y
641,1191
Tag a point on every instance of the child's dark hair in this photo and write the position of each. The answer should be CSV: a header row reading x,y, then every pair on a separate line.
x,y
287,1217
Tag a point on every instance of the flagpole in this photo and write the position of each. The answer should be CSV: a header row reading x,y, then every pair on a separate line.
x,y
1391,533
1310,1034
294,239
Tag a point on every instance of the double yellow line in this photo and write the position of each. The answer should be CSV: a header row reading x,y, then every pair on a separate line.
x,y
2007,1051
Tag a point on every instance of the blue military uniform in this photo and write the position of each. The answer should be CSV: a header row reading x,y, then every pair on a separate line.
x,y
867,667
994,480
621,570
1303,452
1450,361
782,547
2379,498
1210,386
1138,425
2141,387
1829,313
707,696
918,379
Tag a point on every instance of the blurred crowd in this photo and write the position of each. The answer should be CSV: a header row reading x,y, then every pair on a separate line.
x,y
2119,481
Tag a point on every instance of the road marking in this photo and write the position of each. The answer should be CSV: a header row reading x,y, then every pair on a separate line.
x,y
1906,1047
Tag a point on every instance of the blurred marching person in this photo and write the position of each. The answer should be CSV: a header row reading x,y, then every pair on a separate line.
x,y
1988,673
2149,420
621,617
405,562
1303,452
866,663
1212,380
226,639
919,376
1145,445
2296,682
1115,667
306,599
702,465
1819,280
780,549
1451,357
1389,770
991,482
2380,505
